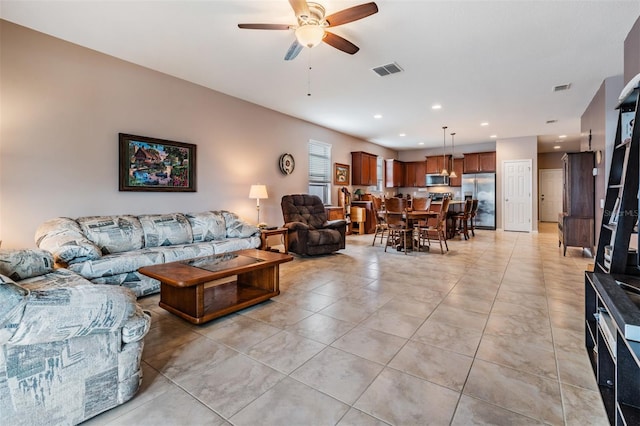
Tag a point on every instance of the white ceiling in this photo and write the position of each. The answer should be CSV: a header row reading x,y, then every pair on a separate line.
x,y
493,61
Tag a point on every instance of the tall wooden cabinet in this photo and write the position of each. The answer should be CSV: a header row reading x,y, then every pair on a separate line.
x,y
575,223
364,168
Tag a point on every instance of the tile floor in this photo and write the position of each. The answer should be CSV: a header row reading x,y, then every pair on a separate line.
x,y
490,333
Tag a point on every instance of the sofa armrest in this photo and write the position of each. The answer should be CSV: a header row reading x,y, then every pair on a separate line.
x,y
64,238
62,305
26,263
336,224
297,226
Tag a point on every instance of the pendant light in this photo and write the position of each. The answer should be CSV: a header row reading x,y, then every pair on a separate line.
x,y
444,171
453,172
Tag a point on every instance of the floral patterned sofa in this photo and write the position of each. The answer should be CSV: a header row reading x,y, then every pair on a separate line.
x,y
69,349
110,249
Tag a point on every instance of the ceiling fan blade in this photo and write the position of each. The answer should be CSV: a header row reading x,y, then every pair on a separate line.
x,y
340,43
293,51
265,26
300,8
351,14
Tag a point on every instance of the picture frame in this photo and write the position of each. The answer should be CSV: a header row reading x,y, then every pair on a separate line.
x,y
156,165
342,174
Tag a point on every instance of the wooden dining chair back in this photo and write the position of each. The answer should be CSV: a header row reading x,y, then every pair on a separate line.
x,y
436,228
381,222
421,204
395,217
472,218
461,221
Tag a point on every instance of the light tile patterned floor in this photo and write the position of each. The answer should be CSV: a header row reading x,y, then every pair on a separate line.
x,y
490,333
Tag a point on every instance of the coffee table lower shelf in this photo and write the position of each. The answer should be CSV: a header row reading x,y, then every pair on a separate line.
x,y
199,305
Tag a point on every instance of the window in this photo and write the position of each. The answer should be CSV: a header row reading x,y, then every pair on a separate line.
x,y
380,164
320,170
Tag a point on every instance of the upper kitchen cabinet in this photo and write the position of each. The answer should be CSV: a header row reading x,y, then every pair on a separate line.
x,y
414,173
480,162
458,167
394,173
364,168
436,163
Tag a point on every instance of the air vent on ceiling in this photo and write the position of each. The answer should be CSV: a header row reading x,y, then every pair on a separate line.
x,y
551,121
387,69
562,87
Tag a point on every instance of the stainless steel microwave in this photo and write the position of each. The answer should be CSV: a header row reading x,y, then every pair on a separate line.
x,y
437,180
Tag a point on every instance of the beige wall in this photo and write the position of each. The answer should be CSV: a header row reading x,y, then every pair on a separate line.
x,y
601,119
524,148
550,160
62,109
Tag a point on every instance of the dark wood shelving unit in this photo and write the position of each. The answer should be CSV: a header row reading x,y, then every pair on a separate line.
x,y
612,292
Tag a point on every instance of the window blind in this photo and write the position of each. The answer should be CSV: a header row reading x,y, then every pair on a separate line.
x,y
319,162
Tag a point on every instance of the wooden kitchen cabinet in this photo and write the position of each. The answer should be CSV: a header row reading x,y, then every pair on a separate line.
x,y
414,173
480,162
364,168
458,167
394,173
435,163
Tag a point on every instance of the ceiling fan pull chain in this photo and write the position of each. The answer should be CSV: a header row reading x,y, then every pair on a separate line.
x,y
309,73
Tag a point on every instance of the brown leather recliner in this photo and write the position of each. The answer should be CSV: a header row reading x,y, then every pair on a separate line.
x,y
309,231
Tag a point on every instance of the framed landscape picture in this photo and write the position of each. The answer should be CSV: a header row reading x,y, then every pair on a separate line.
x,y
341,176
158,165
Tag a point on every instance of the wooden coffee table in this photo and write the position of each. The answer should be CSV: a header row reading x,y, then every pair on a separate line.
x,y
206,288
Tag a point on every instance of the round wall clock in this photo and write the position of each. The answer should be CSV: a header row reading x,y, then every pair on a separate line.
x,y
287,163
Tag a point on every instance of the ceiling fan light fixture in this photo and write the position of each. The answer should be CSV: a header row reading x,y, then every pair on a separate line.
x,y
309,35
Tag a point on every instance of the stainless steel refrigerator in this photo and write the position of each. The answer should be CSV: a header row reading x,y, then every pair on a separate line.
x,y
482,186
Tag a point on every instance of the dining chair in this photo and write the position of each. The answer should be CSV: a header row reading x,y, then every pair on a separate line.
x,y
435,229
421,204
397,228
472,219
381,222
461,220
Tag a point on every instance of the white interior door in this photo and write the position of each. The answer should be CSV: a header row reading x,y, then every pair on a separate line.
x,y
517,201
550,190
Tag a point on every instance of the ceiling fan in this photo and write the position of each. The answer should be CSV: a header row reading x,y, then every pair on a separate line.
x,y
312,22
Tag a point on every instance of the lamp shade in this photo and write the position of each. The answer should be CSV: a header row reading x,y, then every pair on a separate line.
x,y
258,192
309,35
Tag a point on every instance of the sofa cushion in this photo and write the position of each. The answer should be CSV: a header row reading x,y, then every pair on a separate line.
x,y
165,229
64,238
237,228
184,252
22,264
141,285
118,263
207,226
233,244
113,234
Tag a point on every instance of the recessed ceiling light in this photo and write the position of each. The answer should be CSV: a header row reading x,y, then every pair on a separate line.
x,y
402,135
556,147
484,123
562,136
420,143
377,116
493,136
436,106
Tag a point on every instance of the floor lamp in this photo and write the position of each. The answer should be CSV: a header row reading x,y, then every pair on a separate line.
x,y
258,192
